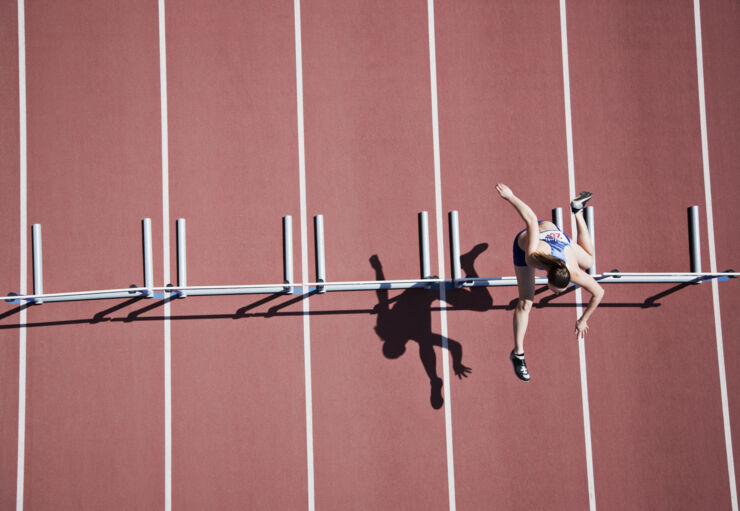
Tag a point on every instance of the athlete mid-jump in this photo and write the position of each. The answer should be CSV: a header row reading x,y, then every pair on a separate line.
x,y
542,245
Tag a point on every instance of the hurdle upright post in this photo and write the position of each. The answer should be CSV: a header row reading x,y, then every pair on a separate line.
x,y
455,246
146,231
694,248
557,217
182,273
318,221
38,279
424,244
288,253
588,215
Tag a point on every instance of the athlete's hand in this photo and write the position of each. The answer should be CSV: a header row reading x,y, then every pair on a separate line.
x,y
461,370
504,191
581,327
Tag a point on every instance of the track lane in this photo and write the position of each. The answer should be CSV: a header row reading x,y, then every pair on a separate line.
x,y
9,251
722,90
95,416
238,404
94,413
653,377
517,445
370,170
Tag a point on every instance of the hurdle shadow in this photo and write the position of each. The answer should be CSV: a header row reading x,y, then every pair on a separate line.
x,y
102,316
408,317
15,310
649,302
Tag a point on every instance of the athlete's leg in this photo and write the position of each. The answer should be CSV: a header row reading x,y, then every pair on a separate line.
x,y
525,282
585,243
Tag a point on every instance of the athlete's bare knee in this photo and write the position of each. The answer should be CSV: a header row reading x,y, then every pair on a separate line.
x,y
586,262
588,249
524,305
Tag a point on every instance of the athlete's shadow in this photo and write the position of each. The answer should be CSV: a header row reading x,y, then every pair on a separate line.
x,y
408,317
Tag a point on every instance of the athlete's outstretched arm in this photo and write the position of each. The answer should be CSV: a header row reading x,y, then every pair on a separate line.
x,y
525,212
587,282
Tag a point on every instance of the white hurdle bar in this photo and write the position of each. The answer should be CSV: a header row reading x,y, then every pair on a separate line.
x,y
605,278
218,290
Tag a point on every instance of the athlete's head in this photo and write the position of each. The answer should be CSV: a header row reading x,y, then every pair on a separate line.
x,y
558,276
393,349
558,279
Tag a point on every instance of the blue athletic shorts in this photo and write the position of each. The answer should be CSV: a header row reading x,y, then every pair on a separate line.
x,y
519,255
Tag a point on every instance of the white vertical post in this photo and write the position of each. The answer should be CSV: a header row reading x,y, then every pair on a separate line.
x,y
182,270
455,246
38,279
146,226
288,253
588,215
320,263
424,244
694,246
557,217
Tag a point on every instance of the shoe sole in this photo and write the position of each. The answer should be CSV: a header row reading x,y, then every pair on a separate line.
x,y
579,202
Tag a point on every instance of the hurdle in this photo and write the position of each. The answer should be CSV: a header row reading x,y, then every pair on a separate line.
x,y
183,290
321,285
38,296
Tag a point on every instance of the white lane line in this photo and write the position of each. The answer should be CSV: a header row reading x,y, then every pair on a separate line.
x,y
441,256
304,254
20,470
713,256
578,294
166,263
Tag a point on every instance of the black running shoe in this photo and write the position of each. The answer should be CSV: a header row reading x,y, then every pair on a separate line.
x,y
579,202
520,366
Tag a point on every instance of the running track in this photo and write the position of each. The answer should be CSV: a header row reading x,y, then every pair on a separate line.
x,y
274,403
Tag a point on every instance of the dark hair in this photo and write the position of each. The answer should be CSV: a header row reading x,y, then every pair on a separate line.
x,y
557,273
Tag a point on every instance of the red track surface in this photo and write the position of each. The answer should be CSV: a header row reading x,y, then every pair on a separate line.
x,y
238,403
95,418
